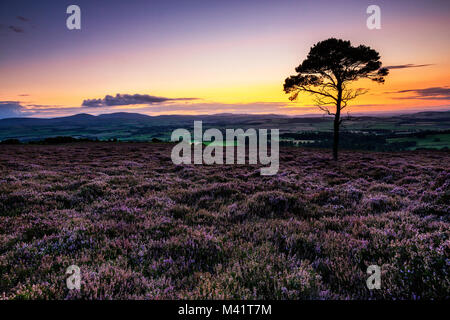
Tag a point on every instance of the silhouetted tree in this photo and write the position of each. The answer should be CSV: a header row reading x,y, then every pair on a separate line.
x,y
331,65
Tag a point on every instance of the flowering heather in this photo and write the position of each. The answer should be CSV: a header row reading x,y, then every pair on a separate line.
x,y
140,227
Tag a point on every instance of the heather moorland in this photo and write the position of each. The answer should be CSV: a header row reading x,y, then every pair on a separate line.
x,y
140,227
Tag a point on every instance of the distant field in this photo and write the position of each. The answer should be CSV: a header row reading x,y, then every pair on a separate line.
x,y
434,141
138,127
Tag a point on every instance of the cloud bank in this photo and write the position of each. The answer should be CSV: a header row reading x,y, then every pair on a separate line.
x,y
128,99
21,18
16,29
11,109
432,93
409,65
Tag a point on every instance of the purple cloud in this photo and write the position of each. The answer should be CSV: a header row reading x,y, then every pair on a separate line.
x,y
128,99
432,93
11,109
409,65
16,29
22,19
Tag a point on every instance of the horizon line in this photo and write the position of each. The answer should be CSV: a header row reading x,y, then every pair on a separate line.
x,y
306,115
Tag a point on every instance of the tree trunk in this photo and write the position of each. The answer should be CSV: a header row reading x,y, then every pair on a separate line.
x,y
336,125
336,137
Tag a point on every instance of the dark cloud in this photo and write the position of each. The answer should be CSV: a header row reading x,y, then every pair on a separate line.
x,y
14,109
11,109
22,19
16,29
409,65
433,93
46,107
128,99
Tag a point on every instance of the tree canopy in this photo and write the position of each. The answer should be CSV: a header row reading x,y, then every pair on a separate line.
x,y
329,68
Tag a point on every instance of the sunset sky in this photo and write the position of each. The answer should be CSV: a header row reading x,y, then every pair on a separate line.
x,y
197,57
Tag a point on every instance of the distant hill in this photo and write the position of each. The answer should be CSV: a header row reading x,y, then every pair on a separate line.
x,y
143,117
139,127
441,115
124,115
